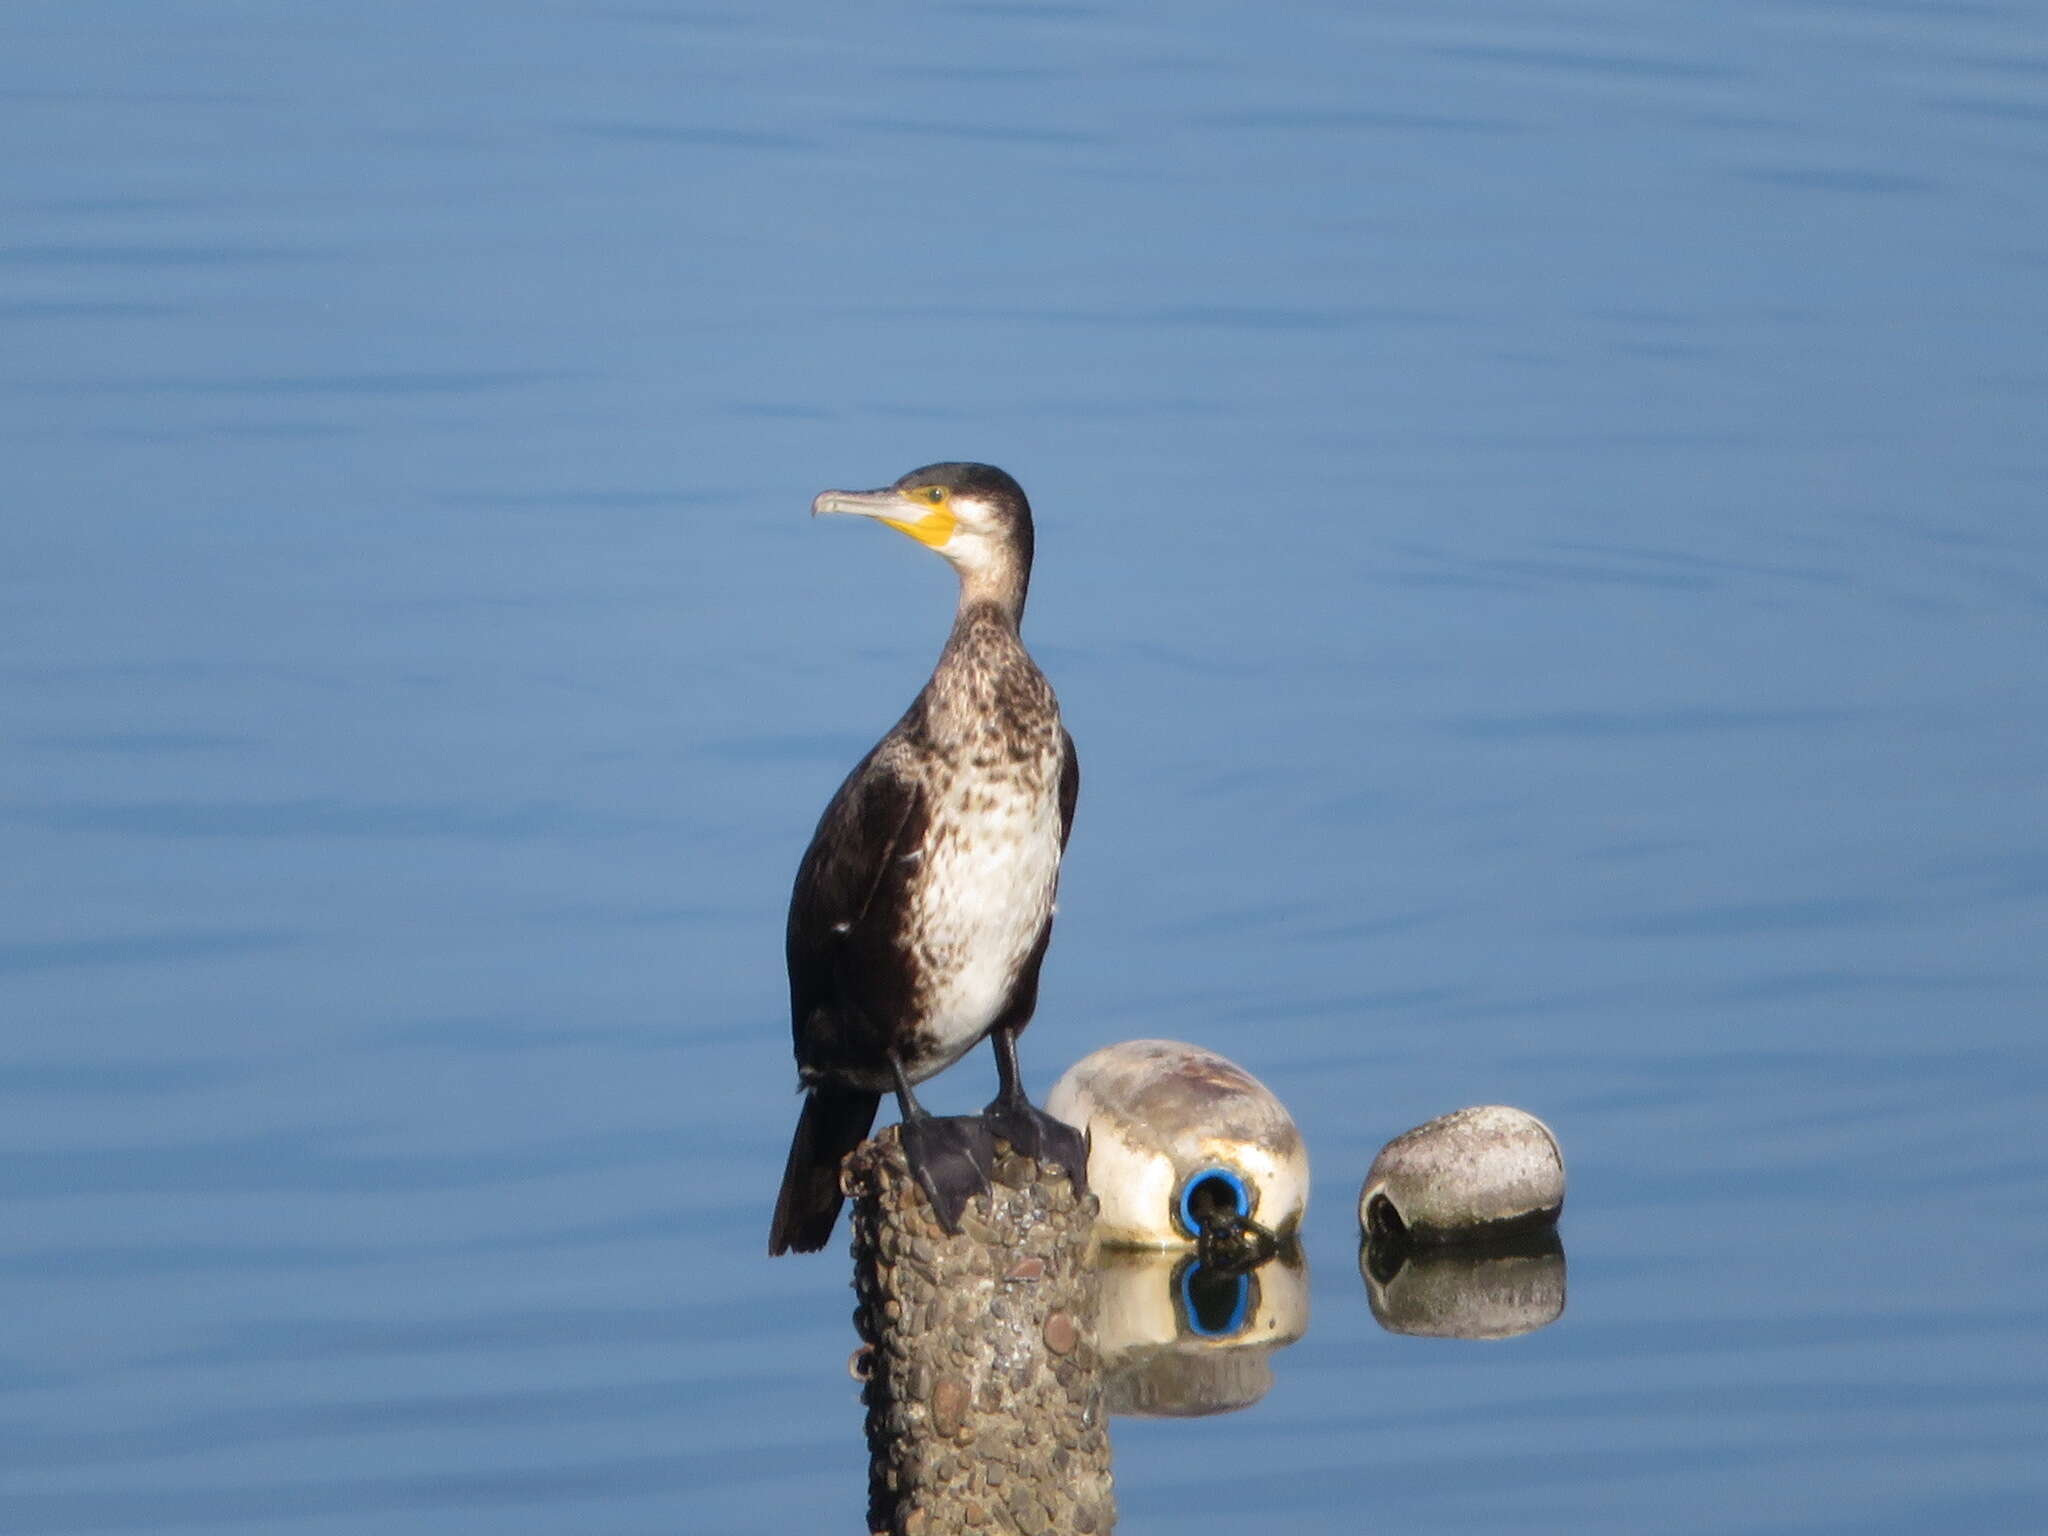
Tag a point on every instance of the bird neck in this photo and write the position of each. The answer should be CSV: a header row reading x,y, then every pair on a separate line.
x,y
999,585
984,630
985,683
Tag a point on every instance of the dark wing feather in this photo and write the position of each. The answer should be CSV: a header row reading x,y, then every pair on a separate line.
x,y
1070,784
844,966
832,1124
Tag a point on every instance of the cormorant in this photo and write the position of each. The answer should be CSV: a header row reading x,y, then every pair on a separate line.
x,y
922,908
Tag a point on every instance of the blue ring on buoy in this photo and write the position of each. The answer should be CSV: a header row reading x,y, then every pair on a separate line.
x,y
1199,1311
1240,1195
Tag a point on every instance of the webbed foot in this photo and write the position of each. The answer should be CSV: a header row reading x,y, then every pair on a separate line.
x,y
951,1157
1032,1133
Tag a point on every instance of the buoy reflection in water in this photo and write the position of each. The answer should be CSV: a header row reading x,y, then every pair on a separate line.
x,y
1495,1290
1180,1338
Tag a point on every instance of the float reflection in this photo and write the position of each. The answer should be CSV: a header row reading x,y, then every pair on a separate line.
x,y
1493,1290
1182,1339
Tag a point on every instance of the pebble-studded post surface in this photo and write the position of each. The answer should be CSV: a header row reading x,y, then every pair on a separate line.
x,y
983,1385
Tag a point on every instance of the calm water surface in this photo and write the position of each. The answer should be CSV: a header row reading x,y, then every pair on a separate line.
x,y
1541,547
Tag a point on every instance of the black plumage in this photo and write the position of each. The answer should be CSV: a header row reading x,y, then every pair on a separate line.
x,y
922,908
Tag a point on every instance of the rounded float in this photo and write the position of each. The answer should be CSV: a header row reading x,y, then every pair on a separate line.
x,y
1468,1176
1182,1142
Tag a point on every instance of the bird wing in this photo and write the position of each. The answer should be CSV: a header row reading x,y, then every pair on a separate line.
x,y
1070,784
849,876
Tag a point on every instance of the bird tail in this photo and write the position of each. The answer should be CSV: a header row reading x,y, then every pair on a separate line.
x,y
833,1123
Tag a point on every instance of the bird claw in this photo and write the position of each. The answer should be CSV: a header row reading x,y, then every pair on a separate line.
x,y
951,1156
1032,1133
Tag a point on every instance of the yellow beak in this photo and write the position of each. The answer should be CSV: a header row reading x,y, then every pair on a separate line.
x,y
929,525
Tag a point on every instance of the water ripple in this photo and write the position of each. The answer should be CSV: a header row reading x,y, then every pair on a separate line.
x,y
682,1473
327,819
18,957
1595,724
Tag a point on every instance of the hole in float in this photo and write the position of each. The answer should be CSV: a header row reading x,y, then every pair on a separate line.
x,y
1209,1196
1383,1221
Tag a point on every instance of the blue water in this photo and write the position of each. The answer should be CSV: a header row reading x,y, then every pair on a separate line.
x,y
1541,547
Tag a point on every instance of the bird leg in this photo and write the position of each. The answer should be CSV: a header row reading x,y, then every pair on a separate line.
x,y
951,1155
1029,1130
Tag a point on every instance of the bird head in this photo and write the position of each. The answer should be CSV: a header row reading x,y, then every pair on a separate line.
x,y
973,514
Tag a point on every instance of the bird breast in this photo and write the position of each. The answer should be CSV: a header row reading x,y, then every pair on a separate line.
x,y
990,865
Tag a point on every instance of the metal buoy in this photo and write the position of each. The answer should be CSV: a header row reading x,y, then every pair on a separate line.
x,y
1186,1149
1467,1176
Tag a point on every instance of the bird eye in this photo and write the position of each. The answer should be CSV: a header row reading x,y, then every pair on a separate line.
x,y
934,494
